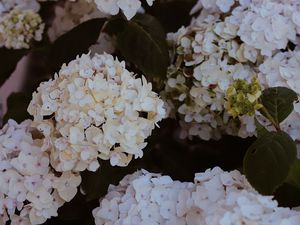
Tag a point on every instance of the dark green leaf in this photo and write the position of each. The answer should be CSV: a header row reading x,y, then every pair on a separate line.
x,y
175,9
294,174
115,26
17,104
75,42
288,195
143,42
9,59
260,129
268,160
278,102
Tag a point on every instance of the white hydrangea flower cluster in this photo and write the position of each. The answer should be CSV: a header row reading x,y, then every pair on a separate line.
x,y
128,7
30,190
267,25
70,14
97,109
208,58
231,40
19,28
216,198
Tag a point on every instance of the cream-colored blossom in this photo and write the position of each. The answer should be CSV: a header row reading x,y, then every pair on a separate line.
x,y
99,110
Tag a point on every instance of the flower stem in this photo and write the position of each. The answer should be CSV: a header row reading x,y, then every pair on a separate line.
x,y
271,119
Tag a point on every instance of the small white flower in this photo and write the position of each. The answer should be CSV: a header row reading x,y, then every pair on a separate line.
x,y
128,7
108,6
67,185
40,199
224,5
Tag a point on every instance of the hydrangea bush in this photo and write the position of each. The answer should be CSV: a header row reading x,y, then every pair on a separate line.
x,y
116,88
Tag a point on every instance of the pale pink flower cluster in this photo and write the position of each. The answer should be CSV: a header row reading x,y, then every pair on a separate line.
x,y
215,198
30,190
97,109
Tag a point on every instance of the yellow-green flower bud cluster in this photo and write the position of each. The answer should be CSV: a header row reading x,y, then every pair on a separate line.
x,y
243,97
19,28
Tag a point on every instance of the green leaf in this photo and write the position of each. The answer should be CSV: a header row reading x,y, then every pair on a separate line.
x,y
288,195
17,104
9,59
142,41
294,174
75,42
115,26
278,103
268,160
260,129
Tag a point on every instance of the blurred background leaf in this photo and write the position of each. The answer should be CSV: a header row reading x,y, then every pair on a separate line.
x,y
294,174
172,14
288,195
17,104
9,59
